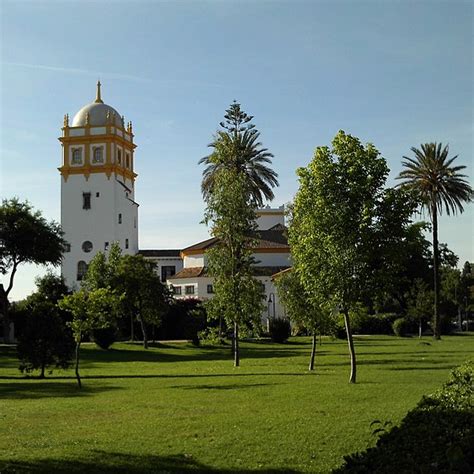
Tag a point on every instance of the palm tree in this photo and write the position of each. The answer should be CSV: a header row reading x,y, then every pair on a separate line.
x,y
438,184
237,146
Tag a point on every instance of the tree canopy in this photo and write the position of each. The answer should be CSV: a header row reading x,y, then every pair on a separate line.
x,y
345,225
27,237
236,146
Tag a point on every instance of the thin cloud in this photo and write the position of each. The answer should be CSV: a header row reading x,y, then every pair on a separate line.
x,y
113,75
87,72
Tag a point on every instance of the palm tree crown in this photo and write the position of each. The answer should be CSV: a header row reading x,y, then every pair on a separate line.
x,y
237,146
437,183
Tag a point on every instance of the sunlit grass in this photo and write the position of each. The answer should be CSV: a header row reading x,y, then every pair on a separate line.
x,y
175,407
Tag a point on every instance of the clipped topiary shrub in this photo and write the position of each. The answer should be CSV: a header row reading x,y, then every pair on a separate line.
x,y
401,327
104,337
437,436
280,329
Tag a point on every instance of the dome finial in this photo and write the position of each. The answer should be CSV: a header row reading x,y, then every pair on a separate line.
x,y
98,99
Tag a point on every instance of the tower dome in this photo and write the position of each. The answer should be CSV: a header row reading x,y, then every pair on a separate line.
x,y
97,114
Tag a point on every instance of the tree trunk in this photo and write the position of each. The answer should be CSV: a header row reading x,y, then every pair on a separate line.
x,y
132,332
313,352
42,371
436,325
419,329
236,345
78,377
143,327
350,342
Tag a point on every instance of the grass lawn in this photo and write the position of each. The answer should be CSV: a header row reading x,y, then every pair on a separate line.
x,y
175,408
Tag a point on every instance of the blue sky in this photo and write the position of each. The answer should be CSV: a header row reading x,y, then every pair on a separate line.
x,y
394,73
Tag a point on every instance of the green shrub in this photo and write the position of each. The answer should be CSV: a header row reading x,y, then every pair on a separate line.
x,y
104,337
400,327
437,436
280,329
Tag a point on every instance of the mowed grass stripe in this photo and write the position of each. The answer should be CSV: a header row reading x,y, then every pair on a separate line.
x,y
177,408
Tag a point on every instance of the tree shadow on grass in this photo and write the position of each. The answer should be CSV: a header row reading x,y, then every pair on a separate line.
x,y
41,389
92,355
100,462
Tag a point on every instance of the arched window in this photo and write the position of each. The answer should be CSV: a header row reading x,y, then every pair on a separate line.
x,y
126,243
98,155
119,156
76,156
81,269
127,163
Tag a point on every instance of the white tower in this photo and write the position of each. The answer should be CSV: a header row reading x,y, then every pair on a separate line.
x,y
97,187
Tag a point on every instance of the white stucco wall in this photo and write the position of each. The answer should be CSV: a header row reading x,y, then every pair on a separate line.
x,y
100,223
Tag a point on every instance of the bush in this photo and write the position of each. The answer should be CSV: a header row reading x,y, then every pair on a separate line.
x,y
364,323
280,329
401,327
104,337
437,436
184,320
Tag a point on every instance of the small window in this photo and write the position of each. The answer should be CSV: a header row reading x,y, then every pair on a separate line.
x,y
176,290
67,247
81,270
119,156
97,155
87,246
167,271
210,289
97,195
128,161
120,218
86,200
126,243
189,289
134,222
106,246
76,156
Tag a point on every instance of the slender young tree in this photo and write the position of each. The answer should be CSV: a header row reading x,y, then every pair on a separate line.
x,y
437,183
248,157
238,297
90,310
341,218
301,308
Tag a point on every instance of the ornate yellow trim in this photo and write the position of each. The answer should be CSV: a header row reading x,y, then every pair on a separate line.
x,y
87,170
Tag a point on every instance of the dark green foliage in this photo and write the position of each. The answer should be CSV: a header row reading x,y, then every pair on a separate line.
x,y
401,327
44,337
280,329
104,337
437,436
184,320
364,323
45,341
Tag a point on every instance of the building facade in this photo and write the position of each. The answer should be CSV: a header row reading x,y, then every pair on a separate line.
x,y
97,187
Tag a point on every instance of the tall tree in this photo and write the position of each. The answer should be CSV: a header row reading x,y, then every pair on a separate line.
x,y
26,237
230,212
342,217
90,310
438,184
247,157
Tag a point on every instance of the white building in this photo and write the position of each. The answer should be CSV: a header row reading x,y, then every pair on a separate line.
x,y
97,186
98,208
271,253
